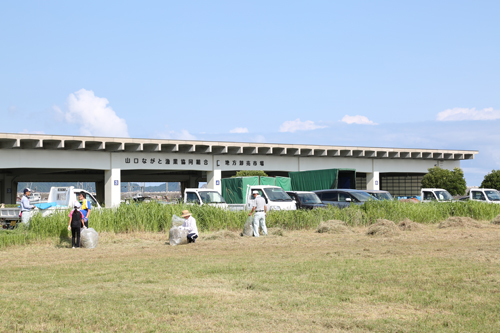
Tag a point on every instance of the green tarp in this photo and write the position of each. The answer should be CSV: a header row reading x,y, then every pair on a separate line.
x,y
268,181
234,189
284,182
323,179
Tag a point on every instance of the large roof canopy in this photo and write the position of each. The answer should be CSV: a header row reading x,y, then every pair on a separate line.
x,y
109,144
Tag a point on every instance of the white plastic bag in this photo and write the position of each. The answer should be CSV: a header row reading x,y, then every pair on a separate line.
x,y
177,221
89,238
248,228
177,235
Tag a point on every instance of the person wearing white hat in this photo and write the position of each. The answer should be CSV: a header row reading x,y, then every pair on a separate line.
x,y
26,207
75,224
190,225
260,210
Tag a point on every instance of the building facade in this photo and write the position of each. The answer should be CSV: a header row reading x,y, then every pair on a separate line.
x,y
110,161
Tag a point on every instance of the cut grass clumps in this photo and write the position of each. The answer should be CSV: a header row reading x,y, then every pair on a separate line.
x,y
383,228
409,225
459,222
223,234
496,220
276,232
333,227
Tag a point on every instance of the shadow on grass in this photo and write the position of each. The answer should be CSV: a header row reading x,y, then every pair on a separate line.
x,y
64,239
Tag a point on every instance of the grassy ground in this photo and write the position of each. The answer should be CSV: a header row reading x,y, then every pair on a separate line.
x,y
430,280
154,217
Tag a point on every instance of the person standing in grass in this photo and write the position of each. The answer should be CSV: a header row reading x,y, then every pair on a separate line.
x,y
260,210
85,208
75,224
190,225
26,207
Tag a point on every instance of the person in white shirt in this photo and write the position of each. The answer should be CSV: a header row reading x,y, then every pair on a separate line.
x,y
260,209
26,207
190,225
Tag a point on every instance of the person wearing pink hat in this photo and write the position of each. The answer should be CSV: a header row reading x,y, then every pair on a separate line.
x,y
75,224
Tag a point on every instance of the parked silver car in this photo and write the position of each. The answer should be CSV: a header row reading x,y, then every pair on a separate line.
x,y
381,195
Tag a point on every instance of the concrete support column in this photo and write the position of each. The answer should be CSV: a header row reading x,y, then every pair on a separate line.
x,y
214,180
183,188
112,187
372,180
192,183
99,191
9,192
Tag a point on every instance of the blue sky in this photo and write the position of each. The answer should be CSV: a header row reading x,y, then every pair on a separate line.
x,y
359,73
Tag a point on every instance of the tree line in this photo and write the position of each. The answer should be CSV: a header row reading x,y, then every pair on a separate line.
x,y
454,182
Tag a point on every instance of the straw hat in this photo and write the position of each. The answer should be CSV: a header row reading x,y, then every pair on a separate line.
x,y
185,213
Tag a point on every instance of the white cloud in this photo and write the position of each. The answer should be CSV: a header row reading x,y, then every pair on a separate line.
x,y
239,130
360,120
259,139
93,115
183,135
26,131
297,125
458,114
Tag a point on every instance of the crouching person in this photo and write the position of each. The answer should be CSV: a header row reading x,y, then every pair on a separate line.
x,y
75,224
190,225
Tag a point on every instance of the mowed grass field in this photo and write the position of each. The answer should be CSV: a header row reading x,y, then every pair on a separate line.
x,y
429,280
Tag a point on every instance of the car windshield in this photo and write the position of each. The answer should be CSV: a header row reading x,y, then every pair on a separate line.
x,y
309,198
277,194
211,197
493,195
443,195
382,196
362,196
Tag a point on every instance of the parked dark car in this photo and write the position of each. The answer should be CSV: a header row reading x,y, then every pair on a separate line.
x,y
344,197
306,200
381,195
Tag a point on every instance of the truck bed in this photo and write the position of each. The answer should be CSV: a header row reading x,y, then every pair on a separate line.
x,y
236,207
10,214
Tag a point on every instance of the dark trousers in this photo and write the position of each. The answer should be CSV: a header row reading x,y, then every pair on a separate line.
x,y
75,237
192,238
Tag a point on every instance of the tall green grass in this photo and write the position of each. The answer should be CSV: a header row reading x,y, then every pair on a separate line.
x,y
155,217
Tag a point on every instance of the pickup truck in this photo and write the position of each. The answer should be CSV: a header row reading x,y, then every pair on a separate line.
x,y
276,198
9,217
60,198
204,196
63,198
488,195
435,194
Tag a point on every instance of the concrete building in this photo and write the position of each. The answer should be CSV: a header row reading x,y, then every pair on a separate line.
x,y
110,161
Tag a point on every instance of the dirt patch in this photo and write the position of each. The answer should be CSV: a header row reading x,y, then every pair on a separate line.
x,y
333,227
409,225
383,228
496,220
459,222
223,234
411,200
